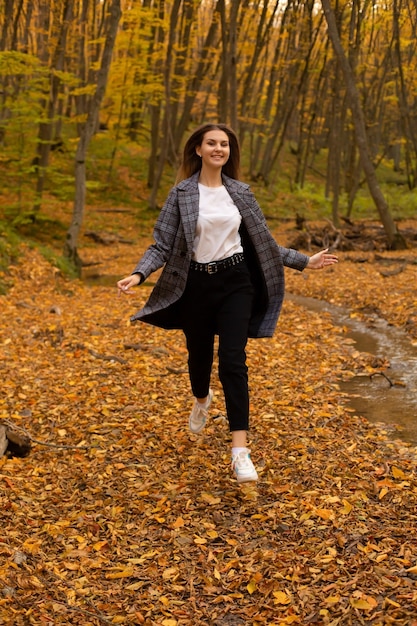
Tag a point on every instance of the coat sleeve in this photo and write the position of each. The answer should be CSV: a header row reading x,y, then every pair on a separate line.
x,y
164,234
294,259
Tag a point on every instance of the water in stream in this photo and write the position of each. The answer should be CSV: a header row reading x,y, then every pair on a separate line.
x,y
374,398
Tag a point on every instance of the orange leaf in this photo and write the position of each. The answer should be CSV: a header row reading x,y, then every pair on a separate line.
x,y
178,523
124,573
325,513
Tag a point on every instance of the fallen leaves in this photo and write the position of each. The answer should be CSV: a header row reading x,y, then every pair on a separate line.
x,y
280,597
362,601
135,521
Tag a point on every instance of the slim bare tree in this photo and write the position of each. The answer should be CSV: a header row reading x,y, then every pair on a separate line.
x,y
71,243
47,125
395,239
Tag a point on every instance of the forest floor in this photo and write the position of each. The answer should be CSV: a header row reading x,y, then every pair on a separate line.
x,y
118,515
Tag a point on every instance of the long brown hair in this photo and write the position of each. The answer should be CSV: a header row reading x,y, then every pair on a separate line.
x,y
191,162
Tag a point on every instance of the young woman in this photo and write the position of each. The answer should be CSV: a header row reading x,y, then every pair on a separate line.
x,y
222,275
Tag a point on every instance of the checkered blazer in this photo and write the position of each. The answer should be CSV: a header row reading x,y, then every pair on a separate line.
x,y
172,249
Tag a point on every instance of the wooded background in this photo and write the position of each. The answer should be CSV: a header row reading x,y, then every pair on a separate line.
x,y
285,75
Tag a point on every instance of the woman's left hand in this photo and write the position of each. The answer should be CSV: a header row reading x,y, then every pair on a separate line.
x,y
322,259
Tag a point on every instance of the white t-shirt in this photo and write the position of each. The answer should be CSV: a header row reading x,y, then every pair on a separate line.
x,y
217,233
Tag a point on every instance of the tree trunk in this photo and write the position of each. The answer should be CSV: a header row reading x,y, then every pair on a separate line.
x,y
46,128
166,139
70,248
155,48
194,84
395,239
232,63
407,115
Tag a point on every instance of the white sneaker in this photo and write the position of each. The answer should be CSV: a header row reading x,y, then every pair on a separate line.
x,y
198,415
243,467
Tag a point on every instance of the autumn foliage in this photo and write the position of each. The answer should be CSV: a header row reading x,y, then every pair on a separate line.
x,y
119,515
266,68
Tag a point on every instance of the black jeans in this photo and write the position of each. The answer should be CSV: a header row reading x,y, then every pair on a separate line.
x,y
220,304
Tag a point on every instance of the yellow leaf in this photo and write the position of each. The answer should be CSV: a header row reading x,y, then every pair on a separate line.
x,y
170,573
383,493
164,600
124,573
251,587
118,619
31,545
210,499
346,508
81,540
249,491
413,569
361,604
366,603
280,597
332,599
212,534
71,565
70,593
144,557
217,574
36,582
200,540
397,473
99,544
332,499
135,586
169,622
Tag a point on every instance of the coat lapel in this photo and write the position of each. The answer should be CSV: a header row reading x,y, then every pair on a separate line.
x,y
238,192
188,204
189,199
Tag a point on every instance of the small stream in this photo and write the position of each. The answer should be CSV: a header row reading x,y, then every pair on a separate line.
x,y
374,398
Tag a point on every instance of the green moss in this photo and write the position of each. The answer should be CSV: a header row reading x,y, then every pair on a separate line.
x,y
9,253
58,261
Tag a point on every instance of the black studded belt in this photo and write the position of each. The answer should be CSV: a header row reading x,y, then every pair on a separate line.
x,y
218,266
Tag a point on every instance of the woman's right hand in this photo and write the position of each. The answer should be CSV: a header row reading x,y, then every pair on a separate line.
x,y
125,284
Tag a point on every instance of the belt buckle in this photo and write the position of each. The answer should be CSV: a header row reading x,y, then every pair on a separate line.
x,y
212,267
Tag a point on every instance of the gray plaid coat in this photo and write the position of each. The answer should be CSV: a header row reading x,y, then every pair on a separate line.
x,y
172,248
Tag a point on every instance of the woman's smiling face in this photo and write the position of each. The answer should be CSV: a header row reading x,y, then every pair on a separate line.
x,y
214,149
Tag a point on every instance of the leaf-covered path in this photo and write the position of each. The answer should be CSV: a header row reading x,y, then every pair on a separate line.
x,y
120,516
